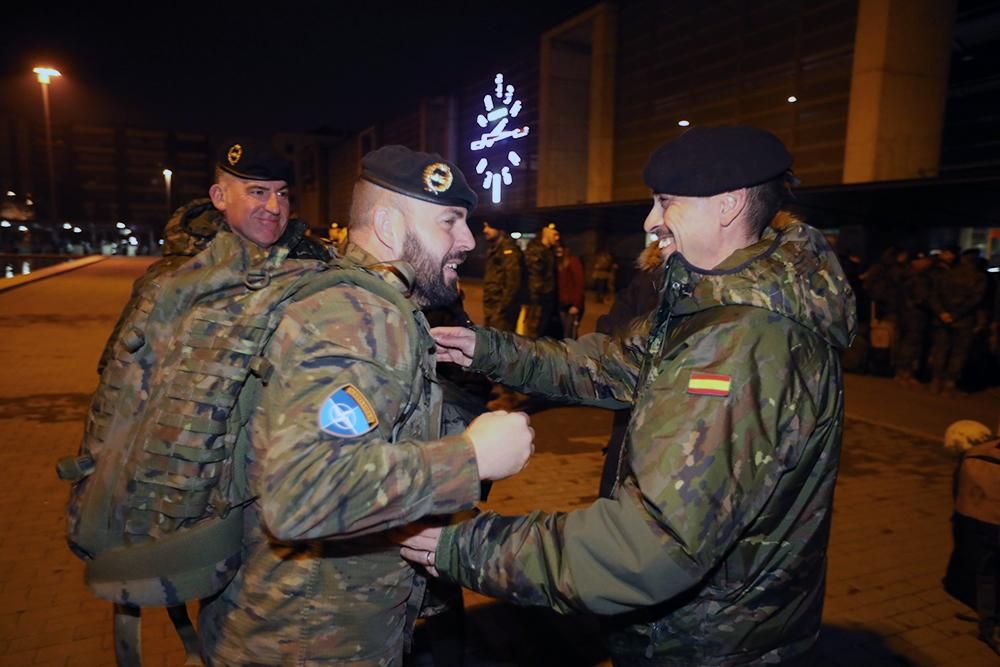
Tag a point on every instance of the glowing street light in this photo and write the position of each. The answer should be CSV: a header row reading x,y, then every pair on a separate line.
x,y
166,179
45,75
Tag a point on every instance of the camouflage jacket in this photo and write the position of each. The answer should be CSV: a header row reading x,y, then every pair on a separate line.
x,y
540,261
189,231
958,290
503,283
712,550
336,462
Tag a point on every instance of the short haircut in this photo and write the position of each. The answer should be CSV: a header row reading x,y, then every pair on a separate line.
x,y
763,203
367,196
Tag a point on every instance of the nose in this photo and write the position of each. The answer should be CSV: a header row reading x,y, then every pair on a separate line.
x,y
654,219
464,240
273,205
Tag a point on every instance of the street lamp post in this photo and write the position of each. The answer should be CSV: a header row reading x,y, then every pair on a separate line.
x,y
45,75
167,174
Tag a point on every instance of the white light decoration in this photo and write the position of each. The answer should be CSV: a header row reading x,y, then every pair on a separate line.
x,y
11,193
22,228
683,123
66,225
77,230
792,99
4,223
496,116
120,225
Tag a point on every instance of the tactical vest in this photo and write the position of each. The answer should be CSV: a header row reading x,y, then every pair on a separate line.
x,y
159,486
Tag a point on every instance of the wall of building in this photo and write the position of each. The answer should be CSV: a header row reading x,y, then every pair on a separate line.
x,y
727,63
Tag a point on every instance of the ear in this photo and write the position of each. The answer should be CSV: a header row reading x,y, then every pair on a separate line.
x,y
731,205
218,196
389,228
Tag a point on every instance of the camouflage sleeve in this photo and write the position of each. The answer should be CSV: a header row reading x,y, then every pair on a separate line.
x,y
968,299
705,467
593,370
315,483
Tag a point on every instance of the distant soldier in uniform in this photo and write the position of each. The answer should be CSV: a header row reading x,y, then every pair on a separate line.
x,y
504,293
503,279
345,439
541,312
957,292
712,548
914,318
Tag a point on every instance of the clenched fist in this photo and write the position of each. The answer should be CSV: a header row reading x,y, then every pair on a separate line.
x,y
503,441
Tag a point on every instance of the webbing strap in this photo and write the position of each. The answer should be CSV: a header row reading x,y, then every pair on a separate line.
x,y
185,630
128,636
208,543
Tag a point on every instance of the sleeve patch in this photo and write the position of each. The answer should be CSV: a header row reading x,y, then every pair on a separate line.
x,y
347,413
707,384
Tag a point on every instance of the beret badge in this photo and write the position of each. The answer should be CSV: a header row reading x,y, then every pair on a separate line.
x,y
234,154
437,178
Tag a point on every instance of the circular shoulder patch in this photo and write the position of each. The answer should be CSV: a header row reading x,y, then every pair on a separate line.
x,y
347,413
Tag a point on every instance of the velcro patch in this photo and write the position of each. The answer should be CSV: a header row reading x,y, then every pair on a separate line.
x,y
708,384
346,413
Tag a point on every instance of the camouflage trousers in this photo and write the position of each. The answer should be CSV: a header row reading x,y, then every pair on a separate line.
x,y
912,341
950,350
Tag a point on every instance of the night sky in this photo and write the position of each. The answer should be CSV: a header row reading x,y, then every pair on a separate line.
x,y
232,67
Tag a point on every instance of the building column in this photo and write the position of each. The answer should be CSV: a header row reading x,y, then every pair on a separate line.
x,y
899,85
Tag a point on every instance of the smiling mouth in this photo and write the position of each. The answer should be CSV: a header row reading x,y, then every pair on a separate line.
x,y
666,240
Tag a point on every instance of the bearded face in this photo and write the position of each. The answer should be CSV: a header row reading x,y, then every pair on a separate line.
x,y
436,278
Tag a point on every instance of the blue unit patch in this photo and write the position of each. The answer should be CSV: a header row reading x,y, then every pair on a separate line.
x,y
346,413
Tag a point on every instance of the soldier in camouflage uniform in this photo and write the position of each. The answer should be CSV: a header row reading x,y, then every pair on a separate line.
x,y
345,442
712,549
542,307
503,279
193,226
914,318
957,292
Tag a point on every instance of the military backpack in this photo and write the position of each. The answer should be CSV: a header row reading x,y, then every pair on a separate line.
x,y
159,486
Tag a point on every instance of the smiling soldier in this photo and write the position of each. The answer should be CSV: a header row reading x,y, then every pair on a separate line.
x,y
345,441
712,548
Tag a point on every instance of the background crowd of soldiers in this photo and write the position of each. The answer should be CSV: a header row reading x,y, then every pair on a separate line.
x,y
933,318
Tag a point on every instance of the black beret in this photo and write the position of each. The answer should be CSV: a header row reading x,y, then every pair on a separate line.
x,y
255,159
426,176
705,161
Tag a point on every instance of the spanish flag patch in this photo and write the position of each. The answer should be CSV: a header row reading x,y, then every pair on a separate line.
x,y
707,384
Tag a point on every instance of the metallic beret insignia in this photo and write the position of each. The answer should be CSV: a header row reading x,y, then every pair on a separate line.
x,y
437,178
234,154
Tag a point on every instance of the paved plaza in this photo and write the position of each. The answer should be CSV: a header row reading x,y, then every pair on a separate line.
x,y
889,547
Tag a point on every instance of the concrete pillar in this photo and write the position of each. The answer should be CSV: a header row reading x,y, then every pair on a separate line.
x,y
601,130
898,88
576,109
